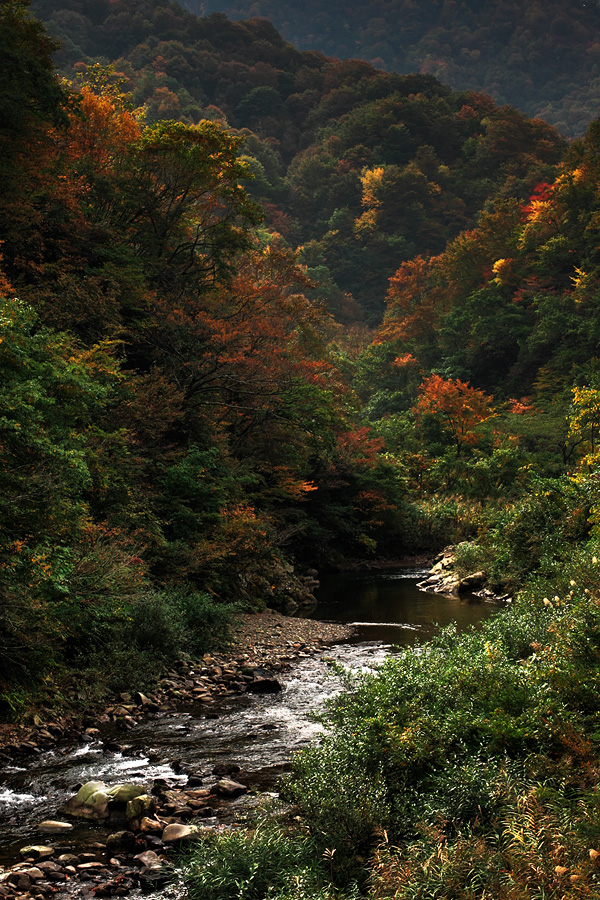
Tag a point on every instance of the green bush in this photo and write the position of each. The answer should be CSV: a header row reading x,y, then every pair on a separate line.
x,y
177,620
431,737
540,529
264,862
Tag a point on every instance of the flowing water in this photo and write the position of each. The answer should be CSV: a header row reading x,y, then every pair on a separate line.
x,y
258,732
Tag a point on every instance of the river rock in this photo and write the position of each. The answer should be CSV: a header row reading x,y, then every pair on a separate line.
x,y
50,826
20,880
36,851
139,807
149,859
225,768
195,780
34,873
472,582
141,699
262,685
150,826
120,840
93,798
124,793
90,802
228,788
177,832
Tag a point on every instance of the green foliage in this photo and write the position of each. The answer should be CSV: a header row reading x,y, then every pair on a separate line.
x,y
502,50
177,620
442,739
537,530
318,132
263,862
51,390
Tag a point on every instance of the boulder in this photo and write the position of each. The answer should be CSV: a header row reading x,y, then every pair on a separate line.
x,y
94,797
228,788
34,873
120,840
472,582
124,793
177,832
90,802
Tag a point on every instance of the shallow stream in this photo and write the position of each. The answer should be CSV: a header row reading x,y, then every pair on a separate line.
x,y
258,732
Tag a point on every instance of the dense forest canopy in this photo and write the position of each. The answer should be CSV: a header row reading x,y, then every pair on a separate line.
x,y
180,218
360,169
541,58
173,424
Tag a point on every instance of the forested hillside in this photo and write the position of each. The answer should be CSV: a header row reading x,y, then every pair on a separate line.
x,y
542,58
358,168
186,418
174,428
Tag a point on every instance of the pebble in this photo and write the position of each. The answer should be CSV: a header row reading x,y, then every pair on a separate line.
x,y
50,826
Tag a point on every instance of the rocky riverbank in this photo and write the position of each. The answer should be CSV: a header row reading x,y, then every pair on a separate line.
x,y
444,579
150,820
262,639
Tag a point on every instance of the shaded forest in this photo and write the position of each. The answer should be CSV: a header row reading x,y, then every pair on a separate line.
x,y
358,168
542,59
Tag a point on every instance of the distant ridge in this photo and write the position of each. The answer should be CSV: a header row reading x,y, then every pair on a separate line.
x,y
543,59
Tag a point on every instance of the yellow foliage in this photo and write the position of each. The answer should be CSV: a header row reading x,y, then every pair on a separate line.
x,y
372,180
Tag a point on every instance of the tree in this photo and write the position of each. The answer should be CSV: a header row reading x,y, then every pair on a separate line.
x,y
584,423
51,392
459,407
181,205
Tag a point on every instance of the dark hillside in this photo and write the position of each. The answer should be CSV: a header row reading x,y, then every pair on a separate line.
x,y
361,169
543,59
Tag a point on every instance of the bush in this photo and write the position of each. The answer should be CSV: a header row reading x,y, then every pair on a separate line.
x,y
430,738
264,862
177,620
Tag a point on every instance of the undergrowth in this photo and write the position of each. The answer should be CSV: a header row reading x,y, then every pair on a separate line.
x,y
465,768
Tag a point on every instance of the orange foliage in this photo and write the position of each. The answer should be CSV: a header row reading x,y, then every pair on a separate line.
x,y
413,301
461,407
101,130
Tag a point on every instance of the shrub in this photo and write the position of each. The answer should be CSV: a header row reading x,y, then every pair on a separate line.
x,y
262,862
430,738
177,620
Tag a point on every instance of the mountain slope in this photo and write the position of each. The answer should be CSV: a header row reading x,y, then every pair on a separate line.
x,y
361,169
542,59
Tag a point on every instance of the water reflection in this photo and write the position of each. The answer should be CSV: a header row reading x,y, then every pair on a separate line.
x,y
389,607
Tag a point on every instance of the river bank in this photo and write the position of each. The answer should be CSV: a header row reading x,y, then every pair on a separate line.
x,y
127,849
266,639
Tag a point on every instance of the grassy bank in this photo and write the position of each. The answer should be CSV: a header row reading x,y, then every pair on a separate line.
x,y
464,769
99,656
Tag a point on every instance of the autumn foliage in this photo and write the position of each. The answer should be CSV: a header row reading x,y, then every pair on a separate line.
x,y
460,407
172,424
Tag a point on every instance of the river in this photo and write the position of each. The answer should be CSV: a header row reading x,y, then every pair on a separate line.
x,y
258,732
